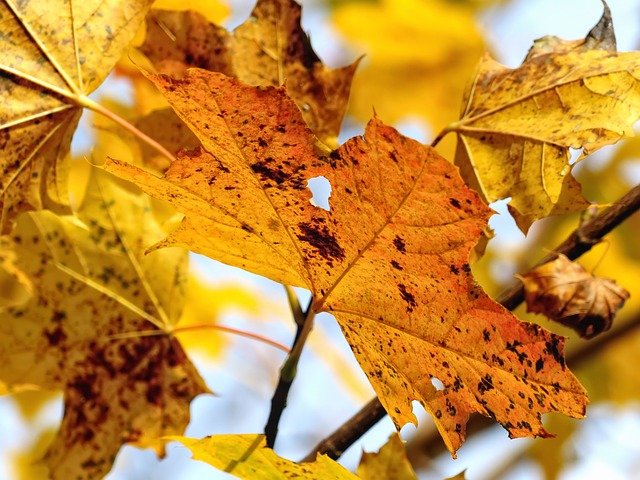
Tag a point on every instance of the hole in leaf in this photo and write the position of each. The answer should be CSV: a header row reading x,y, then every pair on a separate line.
x,y
321,190
437,383
575,154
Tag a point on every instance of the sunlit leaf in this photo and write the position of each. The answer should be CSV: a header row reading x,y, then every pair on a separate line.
x,y
397,237
518,125
390,463
270,48
247,457
53,55
98,327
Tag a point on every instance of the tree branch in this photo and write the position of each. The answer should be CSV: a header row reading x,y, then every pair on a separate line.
x,y
288,372
579,242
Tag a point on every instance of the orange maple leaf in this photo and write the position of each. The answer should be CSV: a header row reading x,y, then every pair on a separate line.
x,y
389,260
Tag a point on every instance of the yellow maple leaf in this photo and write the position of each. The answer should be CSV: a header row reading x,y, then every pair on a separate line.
x,y
247,457
390,259
517,125
419,54
98,327
50,62
390,463
270,48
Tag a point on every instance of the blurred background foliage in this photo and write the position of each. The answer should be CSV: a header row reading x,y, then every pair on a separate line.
x,y
419,56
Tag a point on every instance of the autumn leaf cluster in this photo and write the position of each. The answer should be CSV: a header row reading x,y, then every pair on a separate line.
x,y
232,126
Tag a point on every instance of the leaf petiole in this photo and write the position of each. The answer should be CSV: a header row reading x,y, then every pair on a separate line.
x,y
443,133
203,326
86,102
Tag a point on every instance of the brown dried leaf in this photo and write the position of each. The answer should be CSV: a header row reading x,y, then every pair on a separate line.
x,y
270,48
567,293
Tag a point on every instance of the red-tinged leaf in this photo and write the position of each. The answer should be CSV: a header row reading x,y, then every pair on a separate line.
x,y
390,259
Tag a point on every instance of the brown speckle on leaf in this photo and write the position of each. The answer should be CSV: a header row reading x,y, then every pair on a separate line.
x,y
322,239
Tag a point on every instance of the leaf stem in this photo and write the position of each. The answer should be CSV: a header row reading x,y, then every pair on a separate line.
x,y
86,102
202,326
577,243
287,375
442,134
234,331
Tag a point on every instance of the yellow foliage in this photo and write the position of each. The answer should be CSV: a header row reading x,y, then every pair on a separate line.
x,y
248,458
390,463
97,327
213,10
517,125
419,55
204,304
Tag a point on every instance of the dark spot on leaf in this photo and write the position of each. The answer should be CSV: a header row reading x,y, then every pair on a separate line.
x,y
552,348
322,239
407,297
399,243
267,173
55,336
485,384
486,335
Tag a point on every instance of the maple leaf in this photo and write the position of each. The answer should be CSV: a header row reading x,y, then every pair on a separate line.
x,y
98,327
566,292
270,48
49,63
247,457
390,463
517,125
389,260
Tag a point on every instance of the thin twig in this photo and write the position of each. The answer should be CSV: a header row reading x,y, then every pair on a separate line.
x,y
288,374
576,244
